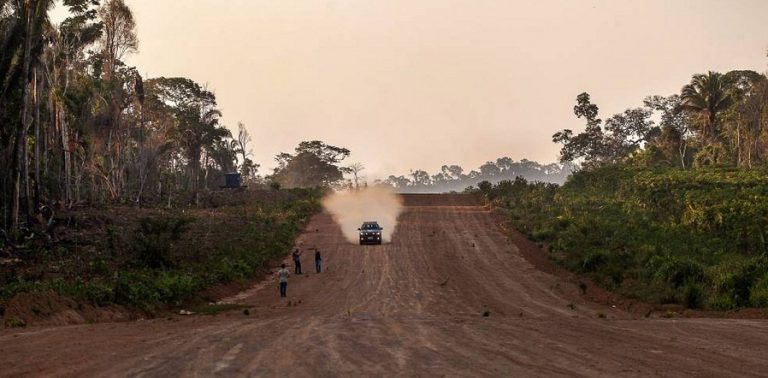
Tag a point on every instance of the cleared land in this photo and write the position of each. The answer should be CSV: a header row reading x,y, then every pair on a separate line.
x,y
412,307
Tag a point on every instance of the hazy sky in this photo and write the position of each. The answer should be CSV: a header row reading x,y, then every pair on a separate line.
x,y
409,84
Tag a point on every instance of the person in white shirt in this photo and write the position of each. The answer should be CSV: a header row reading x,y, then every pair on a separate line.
x,y
282,275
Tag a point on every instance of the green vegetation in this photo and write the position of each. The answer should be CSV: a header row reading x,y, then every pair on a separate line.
x,y
669,202
692,237
13,322
165,258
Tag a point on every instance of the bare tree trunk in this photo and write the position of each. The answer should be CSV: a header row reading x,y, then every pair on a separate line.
x,y
67,156
738,143
38,92
141,159
20,145
205,172
49,131
32,87
110,158
749,154
681,149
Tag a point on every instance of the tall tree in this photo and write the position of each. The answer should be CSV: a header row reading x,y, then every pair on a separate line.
x,y
22,24
420,178
314,163
588,145
489,169
673,137
119,35
196,117
707,96
454,172
355,169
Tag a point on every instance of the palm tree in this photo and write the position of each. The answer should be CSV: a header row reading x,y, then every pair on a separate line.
x,y
707,96
198,133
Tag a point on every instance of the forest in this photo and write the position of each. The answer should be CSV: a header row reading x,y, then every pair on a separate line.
x,y
82,126
668,200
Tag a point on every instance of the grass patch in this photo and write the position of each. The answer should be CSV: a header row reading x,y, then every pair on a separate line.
x,y
13,322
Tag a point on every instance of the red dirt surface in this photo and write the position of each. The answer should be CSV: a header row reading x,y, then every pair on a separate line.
x,y
47,308
412,307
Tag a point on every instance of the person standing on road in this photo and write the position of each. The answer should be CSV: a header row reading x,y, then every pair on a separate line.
x,y
297,260
282,275
318,259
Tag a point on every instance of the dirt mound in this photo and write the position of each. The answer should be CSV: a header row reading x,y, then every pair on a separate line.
x,y
48,308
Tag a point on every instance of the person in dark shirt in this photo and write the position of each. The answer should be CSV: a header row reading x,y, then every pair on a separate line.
x,y
297,260
318,260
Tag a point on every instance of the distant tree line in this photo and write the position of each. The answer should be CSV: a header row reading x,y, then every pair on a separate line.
x,y
78,124
454,178
717,120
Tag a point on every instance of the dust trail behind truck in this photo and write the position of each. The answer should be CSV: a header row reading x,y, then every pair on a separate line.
x,y
352,209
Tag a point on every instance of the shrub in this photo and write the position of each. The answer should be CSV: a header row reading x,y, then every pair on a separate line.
x,y
154,239
98,293
692,295
14,322
735,278
543,234
134,289
758,294
593,261
720,302
174,287
677,271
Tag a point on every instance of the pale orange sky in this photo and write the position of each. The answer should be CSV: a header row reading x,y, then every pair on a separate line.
x,y
409,84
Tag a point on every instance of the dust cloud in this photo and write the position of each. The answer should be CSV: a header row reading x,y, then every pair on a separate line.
x,y
351,209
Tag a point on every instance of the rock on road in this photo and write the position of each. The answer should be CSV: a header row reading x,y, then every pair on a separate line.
x,y
412,307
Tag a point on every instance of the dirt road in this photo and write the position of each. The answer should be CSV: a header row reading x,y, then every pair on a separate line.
x,y
413,307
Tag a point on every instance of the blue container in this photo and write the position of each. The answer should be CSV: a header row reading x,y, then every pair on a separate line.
x,y
232,180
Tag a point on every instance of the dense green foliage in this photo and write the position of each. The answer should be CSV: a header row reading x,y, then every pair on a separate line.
x,y
696,238
168,258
